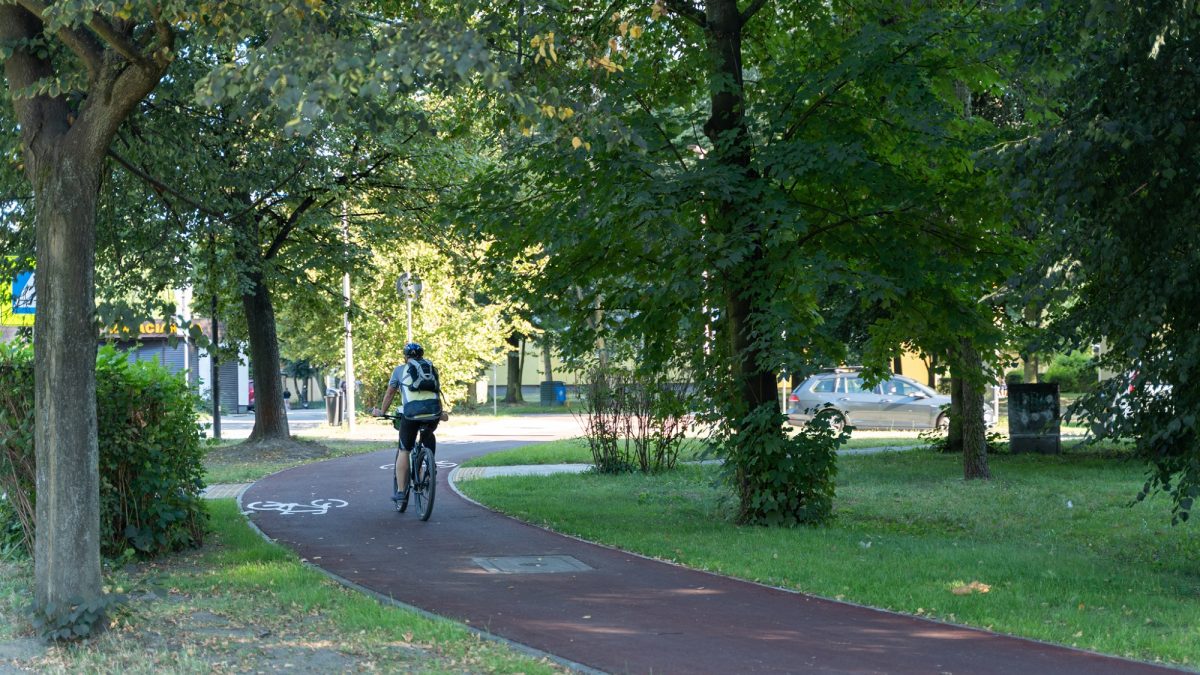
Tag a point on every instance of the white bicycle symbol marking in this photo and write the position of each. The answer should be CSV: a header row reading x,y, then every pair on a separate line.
x,y
317,506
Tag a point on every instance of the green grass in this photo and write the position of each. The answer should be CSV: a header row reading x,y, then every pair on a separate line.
x,y
527,408
908,531
271,610
575,451
14,574
567,451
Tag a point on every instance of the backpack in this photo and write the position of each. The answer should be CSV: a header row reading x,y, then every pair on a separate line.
x,y
423,376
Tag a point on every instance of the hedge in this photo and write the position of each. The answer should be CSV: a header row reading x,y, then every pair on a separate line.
x,y
150,446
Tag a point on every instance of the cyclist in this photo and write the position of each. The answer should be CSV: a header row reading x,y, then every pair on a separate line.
x,y
420,409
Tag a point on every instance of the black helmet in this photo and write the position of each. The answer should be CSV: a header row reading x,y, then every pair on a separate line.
x,y
413,350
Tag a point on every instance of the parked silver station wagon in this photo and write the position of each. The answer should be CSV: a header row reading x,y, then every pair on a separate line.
x,y
895,403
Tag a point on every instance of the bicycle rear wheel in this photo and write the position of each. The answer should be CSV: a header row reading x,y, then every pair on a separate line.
x,y
424,481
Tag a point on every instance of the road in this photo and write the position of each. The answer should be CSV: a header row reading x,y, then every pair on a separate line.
x,y
238,426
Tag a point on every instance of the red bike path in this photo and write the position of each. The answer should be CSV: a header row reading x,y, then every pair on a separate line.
x,y
610,611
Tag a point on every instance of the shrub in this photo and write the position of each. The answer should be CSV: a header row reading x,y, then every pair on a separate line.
x,y
634,421
781,479
16,443
1075,371
1014,376
150,452
602,421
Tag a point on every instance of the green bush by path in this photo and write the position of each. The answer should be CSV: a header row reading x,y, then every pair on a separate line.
x,y
150,452
1052,540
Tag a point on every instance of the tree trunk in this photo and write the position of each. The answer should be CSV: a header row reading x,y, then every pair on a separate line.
x,y
513,386
67,545
64,142
270,422
974,431
1031,368
524,343
954,435
755,380
726,129
1029,359
547,344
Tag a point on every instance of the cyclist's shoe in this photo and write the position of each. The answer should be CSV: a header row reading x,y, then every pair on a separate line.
x,y
401,499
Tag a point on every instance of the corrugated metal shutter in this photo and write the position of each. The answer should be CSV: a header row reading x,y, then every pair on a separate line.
x,y
172,357
229,385
193,366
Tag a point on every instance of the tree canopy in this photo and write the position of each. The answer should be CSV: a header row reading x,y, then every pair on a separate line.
x,y
711,211
734,191
1113,181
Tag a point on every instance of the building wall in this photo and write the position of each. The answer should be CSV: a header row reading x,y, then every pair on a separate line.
x,y
534,371
913,366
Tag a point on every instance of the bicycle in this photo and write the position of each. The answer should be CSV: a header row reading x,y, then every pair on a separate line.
x,y
422,473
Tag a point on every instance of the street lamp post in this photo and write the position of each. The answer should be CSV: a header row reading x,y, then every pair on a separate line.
x,y
409,286
349,412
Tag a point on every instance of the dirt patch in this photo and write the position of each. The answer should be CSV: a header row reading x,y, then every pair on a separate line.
x,y
269,451
21,649
180,639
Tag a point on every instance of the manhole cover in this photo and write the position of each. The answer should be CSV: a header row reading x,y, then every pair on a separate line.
x,y
531,564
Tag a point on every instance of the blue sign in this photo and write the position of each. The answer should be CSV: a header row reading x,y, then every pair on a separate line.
x,y
24,294
18,300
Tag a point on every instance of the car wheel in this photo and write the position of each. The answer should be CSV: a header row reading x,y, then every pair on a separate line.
x,y
943,422
836,421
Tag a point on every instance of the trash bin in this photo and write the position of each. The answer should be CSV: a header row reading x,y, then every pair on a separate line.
x,y
339,406
1034,419
553,392
331,408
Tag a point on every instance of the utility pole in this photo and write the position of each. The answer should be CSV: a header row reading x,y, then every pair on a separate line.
x,y
350,381
215,374
213,361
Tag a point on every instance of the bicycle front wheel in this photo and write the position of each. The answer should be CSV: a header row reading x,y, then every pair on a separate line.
x,y
424,482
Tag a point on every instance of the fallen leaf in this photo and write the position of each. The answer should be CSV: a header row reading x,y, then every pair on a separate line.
x,y
973,587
